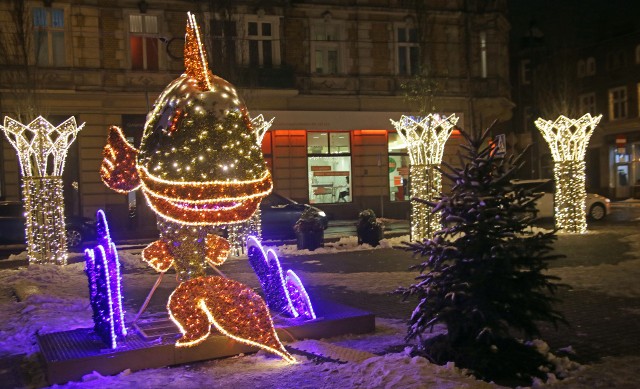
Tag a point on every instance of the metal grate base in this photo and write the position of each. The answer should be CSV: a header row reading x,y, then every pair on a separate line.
x,y
70,355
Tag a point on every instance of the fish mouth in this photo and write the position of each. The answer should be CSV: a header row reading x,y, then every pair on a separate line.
x,y
207,203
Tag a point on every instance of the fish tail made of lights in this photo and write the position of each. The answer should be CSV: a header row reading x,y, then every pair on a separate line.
x,y
232,308
118,170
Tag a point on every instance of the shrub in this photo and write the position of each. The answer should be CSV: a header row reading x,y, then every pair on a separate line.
x,y
482,275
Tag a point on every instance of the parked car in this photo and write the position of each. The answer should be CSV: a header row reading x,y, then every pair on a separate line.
x,y
12,226
597,207
280,213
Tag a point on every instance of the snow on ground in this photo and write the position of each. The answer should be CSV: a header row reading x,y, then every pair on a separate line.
x,y
55,299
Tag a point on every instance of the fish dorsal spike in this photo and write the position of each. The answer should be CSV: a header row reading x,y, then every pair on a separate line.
x,y
195,56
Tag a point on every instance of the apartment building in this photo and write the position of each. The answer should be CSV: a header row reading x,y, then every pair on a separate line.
x,y
329,73
601,69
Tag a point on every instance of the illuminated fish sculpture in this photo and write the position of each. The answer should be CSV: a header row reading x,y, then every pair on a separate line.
x,y
199,165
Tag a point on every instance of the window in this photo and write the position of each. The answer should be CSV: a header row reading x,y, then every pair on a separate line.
x,y
591,66
618,103
262,43
408,51
49,47
143,42
223,44
483,54
587,103
329,164
326,46
616,60
525,71
398,169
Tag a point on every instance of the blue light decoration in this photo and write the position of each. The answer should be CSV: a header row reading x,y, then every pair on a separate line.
x,y
103,271
285,295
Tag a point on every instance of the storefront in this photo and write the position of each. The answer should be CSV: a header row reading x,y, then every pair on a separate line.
x,y
342,162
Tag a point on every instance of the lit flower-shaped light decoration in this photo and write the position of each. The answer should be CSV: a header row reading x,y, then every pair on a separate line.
x,y
199,166
568,140
425,138
42,150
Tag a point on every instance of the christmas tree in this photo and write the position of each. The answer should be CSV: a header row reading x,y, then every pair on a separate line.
x,y
482,277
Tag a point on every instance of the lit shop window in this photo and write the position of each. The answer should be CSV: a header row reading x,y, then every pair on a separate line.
x,y
398,169
329,164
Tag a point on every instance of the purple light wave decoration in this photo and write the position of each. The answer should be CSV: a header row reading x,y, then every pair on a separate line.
x,y
103,272
284,295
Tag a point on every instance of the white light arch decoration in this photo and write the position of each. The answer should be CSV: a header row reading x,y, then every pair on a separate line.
x,y
568,140
425,138
42,151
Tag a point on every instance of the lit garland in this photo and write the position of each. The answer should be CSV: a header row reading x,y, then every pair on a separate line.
x,y
239,232
284,295
42,150
425,138
568,140
103,271
199,166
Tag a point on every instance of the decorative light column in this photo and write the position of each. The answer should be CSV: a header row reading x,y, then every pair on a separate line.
x,y
568,140
42,150
239,232
425,138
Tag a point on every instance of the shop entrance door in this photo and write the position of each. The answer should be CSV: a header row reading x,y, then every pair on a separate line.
x,y
623,188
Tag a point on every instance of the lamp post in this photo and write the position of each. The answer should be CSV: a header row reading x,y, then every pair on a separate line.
x,y
42,150
425,138
568,140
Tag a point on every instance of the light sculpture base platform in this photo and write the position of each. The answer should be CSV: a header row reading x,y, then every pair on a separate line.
x,y
69,355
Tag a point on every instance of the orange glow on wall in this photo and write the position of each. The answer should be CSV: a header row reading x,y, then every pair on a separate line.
x,y
370,132
289,132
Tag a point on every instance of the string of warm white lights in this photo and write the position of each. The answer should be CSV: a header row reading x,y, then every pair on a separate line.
x,y
425,138
42,151
260,127
568,140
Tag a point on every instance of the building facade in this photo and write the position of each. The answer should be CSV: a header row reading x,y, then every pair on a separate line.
x,y
603,77
329,73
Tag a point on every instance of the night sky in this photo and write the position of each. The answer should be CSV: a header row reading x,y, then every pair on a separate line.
x,y
574,23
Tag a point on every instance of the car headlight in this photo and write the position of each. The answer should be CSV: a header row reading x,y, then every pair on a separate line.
x,y
321,213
